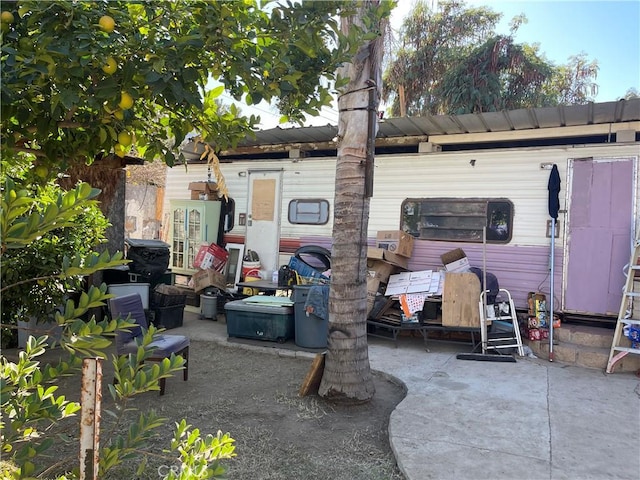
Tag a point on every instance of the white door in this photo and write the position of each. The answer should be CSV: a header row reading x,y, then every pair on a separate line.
x,y
263,216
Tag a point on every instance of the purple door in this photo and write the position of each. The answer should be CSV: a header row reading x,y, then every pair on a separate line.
x,y
599,234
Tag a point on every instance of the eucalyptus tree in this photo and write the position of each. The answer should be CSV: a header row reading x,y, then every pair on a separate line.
x,y
452,61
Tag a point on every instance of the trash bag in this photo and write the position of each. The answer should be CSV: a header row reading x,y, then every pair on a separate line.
x,y
251,256
492,284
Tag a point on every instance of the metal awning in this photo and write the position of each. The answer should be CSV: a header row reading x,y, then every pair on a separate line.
x,y
512,120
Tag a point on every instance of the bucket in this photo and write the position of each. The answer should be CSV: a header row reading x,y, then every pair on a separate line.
x,y
250,269
209,306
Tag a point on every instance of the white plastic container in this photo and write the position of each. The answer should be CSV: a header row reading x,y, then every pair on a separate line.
x,y
122,289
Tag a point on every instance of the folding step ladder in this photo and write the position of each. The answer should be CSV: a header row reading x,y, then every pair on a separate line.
x,y
497,312
627,316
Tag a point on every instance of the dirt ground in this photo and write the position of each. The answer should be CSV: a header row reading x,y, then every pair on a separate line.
x,y
279,435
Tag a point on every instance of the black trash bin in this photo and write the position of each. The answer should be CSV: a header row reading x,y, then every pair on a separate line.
x,y
311,331
149,259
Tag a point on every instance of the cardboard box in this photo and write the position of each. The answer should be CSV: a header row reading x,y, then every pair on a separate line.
x,y
202,252
207,278
380,269
373,285
387,256
203,190
396,241
455,261
424,281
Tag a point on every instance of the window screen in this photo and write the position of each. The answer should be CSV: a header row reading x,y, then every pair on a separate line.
x,y
456,219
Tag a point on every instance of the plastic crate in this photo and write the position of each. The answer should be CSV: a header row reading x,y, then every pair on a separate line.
x,y
167,300
306,271
169,317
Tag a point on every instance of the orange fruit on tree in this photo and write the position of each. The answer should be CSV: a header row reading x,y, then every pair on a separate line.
x,y
124,138
6,17
120,150
119,114
126,101
107,23
42,171
110,67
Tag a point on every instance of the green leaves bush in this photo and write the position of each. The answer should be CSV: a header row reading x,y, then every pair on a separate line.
x,y
30,407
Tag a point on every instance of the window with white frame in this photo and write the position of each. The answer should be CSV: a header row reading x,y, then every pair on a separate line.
x,y
309,211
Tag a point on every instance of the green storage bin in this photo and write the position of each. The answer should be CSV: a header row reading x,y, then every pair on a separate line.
x,y
274,323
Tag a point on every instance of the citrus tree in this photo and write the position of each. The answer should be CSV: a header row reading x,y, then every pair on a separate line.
x,y
87,78
30,406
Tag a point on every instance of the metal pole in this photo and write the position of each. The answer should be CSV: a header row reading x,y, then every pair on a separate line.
x,y
551,287
90,398
483,295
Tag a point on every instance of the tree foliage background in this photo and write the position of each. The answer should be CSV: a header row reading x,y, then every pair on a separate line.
x,y
452,61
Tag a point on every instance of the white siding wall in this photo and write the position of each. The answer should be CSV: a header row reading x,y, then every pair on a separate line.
x,y
512,174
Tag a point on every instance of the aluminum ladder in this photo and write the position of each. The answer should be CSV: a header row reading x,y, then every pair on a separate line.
x,y
504,340
627,316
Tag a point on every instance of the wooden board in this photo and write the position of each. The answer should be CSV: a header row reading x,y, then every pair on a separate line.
x,y
314,376
460,300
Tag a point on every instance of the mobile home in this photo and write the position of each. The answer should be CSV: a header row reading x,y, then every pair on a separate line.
x,y
442,179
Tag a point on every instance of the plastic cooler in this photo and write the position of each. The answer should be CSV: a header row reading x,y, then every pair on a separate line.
x,y
311,331
260,322
121,289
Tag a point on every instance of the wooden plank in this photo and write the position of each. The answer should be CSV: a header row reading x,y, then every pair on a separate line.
x,y
460,300
314,376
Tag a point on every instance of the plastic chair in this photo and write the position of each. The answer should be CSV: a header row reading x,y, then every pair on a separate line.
x,y
164,345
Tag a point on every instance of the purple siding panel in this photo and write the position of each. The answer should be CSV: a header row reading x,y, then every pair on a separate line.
x,y
519,269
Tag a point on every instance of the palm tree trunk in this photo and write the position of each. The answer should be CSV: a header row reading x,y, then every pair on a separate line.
x,y
347,374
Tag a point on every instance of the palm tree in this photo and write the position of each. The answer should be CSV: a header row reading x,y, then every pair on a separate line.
x,y
347,374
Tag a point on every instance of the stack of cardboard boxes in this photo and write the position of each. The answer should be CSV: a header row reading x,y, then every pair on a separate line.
x,y
210,261
203,190
390,255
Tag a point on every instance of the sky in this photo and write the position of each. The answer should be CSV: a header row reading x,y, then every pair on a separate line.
x,y
605,30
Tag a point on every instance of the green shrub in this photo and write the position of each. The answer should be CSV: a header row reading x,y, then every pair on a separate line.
x,y
29,406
